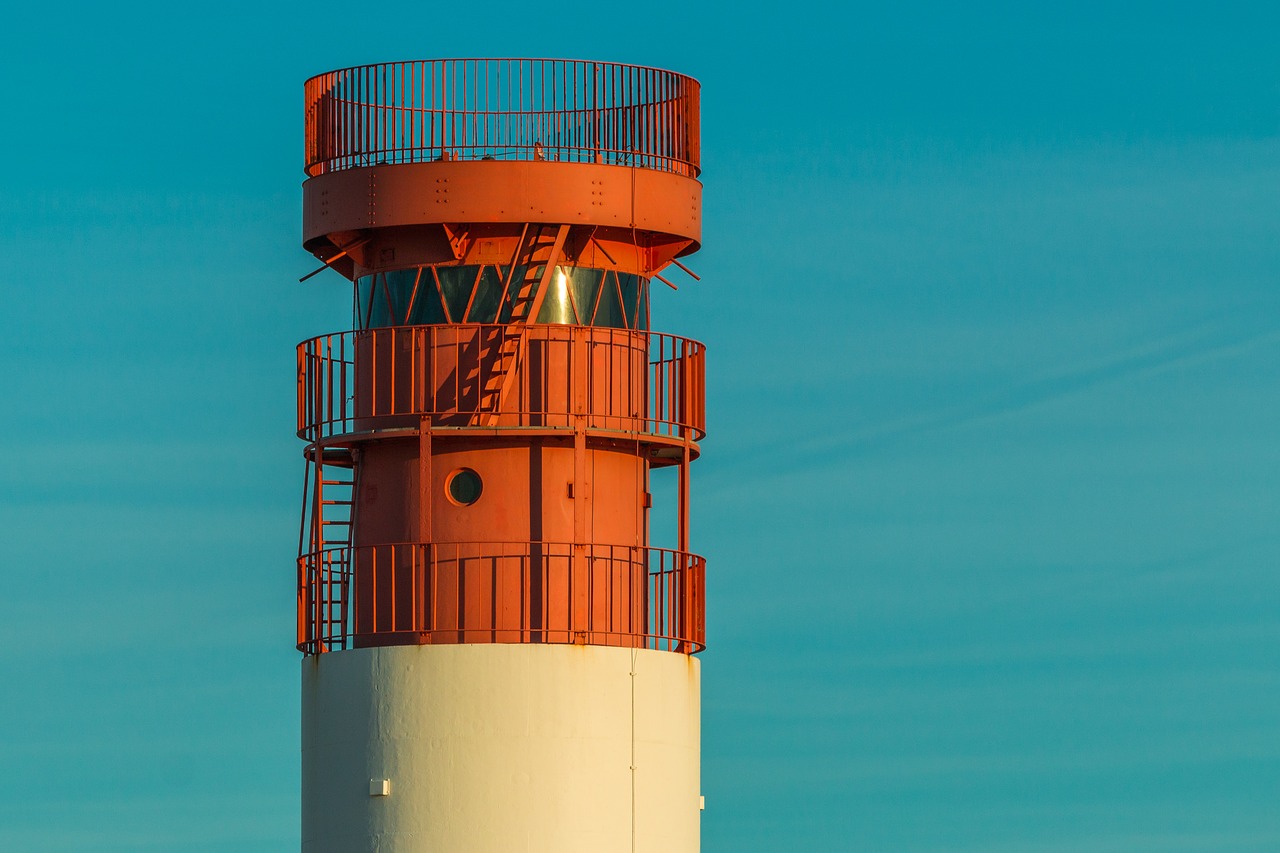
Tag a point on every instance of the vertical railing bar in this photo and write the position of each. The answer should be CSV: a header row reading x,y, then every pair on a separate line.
x,y
313,614
341,125
375,337
396,551
327,607
338,412
314,389
661,78
366,112
652,117
635,109
659,383
673,123
669,120
446,136
411,116
322,391
429,108
655,119
318,389
315,105
302,386
394,358
376,96
642,116
649,116
373,588
337,121
338,118
659,121
337,388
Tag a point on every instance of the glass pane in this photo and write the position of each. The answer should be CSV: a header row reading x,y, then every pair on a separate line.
x,y
630,297
584,285
517,275
556,307
610,311
465,487
400,291
380,307
456,283
427,307
644,305
484,309
364,293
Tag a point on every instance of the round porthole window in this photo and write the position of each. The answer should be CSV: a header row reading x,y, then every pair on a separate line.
x,y
464,487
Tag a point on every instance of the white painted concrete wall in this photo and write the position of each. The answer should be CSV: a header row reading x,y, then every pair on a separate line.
x,y
500,748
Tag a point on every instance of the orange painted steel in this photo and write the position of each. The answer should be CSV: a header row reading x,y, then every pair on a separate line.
x,y
598,199
518,109
490,482
496,592
388,378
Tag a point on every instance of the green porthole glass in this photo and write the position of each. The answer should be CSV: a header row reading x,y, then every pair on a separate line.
x,y
464,487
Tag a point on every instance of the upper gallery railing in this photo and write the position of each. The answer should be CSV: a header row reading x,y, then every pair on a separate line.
x,y
502,109
469,375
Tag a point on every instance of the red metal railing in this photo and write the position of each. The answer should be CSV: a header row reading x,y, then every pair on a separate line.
x,y
516,109
501,592
546,376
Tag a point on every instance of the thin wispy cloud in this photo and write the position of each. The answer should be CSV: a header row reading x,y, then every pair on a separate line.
x,y
1144,360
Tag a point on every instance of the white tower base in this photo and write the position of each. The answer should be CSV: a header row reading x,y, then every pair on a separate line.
x,y
500,748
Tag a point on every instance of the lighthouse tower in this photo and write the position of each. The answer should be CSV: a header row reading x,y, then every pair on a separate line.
x,y
497,657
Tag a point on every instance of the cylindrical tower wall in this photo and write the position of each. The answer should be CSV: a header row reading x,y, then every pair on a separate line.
x,y
498,659
528,490
482,589
500,748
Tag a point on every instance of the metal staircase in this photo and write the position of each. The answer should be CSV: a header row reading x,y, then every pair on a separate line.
x,y
540,248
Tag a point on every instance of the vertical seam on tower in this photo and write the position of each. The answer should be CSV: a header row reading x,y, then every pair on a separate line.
x,y
633,750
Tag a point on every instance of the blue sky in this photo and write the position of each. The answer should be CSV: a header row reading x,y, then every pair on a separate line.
x,y
989,497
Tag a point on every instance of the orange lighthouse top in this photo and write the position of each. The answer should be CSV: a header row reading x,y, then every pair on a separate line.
x,y
480,442
504,141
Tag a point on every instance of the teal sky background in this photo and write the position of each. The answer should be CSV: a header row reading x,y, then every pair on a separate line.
x,y
990,491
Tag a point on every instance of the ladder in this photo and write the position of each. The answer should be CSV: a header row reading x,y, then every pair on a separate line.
x,y
332,510
540,247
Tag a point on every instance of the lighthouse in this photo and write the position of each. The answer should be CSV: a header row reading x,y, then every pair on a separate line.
x,y
496,656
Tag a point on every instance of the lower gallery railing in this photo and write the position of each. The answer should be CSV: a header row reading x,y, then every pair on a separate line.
x,y
501,592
